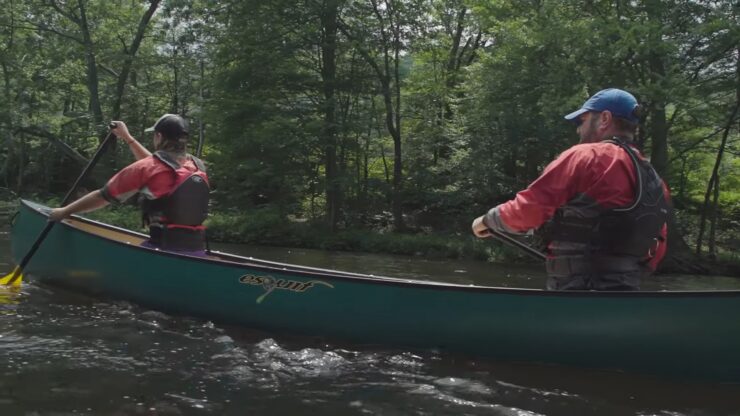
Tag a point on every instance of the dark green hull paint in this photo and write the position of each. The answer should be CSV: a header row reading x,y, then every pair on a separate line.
x,y
686,335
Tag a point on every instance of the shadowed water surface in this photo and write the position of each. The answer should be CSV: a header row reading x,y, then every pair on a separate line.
x,y
64,353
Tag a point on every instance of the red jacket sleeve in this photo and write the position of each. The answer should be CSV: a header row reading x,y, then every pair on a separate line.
x,y
600,171
558,183
129,180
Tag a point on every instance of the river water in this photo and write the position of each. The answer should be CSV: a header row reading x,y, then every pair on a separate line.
x,y
63,353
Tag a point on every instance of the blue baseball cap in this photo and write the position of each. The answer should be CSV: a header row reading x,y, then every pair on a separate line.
x,y
618,102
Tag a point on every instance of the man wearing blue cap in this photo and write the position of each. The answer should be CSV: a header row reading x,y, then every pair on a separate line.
x,y
601,206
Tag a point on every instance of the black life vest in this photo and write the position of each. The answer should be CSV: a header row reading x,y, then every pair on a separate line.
x,y
176,219
587,239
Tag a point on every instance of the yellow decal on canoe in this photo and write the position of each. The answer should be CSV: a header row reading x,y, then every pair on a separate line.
x,y
270,283
82,273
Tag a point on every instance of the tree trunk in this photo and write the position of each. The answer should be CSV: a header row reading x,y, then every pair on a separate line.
x,y
175,104
201,124
365,172
9,100
130,54
659,137
682,179
21,164
715,171
92,66
385,164
713,221
9,125
389,78
713,180
398,222
658,125
453,64
329,15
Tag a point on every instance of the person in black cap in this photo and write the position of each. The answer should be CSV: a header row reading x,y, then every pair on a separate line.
x,y
171,185
600,205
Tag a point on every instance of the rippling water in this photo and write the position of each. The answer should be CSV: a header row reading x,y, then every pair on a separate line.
x,y
63,353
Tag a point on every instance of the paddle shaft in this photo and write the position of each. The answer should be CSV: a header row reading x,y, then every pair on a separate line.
x,y
518,244
67,199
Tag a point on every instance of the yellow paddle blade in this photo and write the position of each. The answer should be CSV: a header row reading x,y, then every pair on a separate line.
x,y
12,279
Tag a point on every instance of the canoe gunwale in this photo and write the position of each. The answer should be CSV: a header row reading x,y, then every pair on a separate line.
x,y
223,258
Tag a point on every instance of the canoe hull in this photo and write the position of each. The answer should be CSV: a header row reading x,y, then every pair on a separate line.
x,y
687,335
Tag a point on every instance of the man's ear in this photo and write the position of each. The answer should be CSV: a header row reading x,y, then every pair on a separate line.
x,y
605,118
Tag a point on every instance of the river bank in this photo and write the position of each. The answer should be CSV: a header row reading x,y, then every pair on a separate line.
x,y
268,228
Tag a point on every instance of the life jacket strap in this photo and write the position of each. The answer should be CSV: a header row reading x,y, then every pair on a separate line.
x,y
178,237
186,227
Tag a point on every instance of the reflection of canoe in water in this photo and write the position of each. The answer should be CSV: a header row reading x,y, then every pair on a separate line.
x,y
677,334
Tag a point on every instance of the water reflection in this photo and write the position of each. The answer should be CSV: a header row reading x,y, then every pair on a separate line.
x,y
93,356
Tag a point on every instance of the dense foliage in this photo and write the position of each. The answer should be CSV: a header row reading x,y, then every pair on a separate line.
x,y
346,115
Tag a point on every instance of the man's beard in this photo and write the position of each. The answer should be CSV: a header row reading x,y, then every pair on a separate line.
x,y
593,126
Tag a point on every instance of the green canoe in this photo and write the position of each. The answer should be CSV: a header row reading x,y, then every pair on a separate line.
x,y
686,335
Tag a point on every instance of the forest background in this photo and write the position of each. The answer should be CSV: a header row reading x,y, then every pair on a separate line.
x,y
375,125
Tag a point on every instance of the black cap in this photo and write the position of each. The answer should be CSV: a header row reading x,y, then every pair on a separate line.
x,y
171,126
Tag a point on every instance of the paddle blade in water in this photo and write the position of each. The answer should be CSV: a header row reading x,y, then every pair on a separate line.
x,y
8,296
13,278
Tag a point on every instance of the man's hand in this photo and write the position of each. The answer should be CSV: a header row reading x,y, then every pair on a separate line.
x,y
58,214
480,229
121,131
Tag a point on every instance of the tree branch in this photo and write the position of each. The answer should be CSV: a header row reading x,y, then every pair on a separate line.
x,y
69,15
64,147
108,70
43,28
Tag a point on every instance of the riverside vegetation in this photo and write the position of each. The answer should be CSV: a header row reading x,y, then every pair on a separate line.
x,y
376,125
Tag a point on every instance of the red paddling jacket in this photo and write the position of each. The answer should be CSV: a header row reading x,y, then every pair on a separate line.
x,y
604,211
174,198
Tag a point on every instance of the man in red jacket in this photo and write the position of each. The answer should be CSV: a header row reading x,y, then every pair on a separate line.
x,y
604,206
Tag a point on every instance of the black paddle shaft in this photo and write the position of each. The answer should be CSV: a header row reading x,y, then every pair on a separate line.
x,y
518,244
67,199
